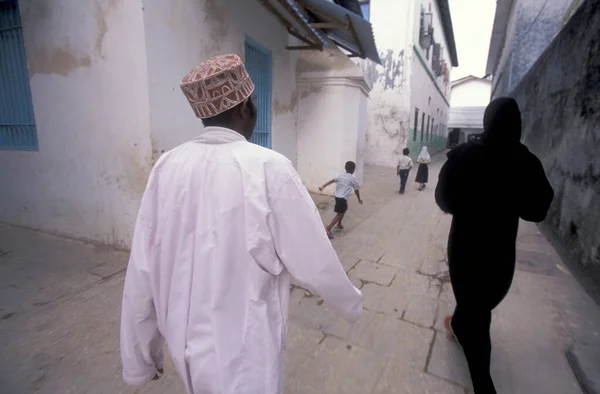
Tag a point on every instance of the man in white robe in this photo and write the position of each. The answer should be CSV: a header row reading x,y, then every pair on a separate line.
x,y
223,226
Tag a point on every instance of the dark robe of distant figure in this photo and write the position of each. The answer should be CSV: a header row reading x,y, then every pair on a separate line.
x,y
487,185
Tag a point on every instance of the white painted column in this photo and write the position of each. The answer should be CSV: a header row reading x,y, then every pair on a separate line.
x,y
331,118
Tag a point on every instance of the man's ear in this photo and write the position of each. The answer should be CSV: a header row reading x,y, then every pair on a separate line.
x,y
245,109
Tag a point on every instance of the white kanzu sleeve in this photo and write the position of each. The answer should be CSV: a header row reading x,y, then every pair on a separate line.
x,y
303,247
141,341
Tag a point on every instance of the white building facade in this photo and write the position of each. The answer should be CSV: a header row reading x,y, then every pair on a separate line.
x,y
90,98
410,99
470,97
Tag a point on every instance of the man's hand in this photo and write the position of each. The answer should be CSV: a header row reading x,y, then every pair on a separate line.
x,y
360,202
320,188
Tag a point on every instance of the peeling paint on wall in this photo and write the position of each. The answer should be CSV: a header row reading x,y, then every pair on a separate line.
x,y
371,72
279,108
391,72
388,116
61,58
388,131
393,65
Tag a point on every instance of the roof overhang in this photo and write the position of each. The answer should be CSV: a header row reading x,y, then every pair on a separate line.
x,y
503,8
469,78
311,21
448,30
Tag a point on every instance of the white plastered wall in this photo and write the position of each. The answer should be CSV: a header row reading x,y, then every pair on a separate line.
x,y
425,95
182,33
473,93
331,116
388,110
88,81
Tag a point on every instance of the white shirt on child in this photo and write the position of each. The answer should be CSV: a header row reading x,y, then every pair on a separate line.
x,y
345,183
405,162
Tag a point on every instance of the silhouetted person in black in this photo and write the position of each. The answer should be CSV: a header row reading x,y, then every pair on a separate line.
x,y
487,186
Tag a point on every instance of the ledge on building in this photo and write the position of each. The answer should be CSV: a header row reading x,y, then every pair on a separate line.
x,y
312,21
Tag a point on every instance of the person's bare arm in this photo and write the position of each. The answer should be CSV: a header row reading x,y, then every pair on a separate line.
x,y
397,170
331,182
360,201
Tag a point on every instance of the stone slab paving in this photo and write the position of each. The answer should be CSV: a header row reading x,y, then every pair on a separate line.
x,y
60,306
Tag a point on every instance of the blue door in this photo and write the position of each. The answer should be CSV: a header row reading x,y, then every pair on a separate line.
x,y
17,123
259,66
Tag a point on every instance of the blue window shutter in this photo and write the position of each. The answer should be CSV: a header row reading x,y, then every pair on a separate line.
x,y
259,66
17,123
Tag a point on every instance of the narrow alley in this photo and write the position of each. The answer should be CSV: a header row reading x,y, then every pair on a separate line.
x,y
60,310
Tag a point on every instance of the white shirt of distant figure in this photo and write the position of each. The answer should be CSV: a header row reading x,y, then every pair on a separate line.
x,y
223,226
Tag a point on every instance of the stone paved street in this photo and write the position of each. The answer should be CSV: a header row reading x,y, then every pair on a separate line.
x,y
60,306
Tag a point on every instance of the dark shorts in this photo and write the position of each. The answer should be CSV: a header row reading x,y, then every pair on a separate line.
x,y
341,205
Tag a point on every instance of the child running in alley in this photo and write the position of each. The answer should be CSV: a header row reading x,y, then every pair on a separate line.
x,y
404,166
345,183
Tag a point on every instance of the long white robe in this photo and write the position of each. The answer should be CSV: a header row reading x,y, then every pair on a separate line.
x,y
223,225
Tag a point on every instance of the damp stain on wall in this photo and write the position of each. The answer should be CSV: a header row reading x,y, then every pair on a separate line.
x,y
48,52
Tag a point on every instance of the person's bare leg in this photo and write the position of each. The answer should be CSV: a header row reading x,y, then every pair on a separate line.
x,y
337,218
340,225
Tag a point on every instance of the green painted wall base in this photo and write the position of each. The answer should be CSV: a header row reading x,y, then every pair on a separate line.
x,y
435,144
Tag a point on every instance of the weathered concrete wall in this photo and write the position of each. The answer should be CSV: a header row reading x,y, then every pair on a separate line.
x,y
532,26
182,33
87,67
561,122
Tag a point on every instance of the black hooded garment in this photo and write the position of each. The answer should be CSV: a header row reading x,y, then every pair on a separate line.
x,y
487,186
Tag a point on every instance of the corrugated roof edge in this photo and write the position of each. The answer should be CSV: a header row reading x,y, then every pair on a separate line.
x,y
448,30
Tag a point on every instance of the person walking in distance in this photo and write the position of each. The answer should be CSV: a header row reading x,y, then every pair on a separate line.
x,y
405,164
345,184
423,170
487,186
223,226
